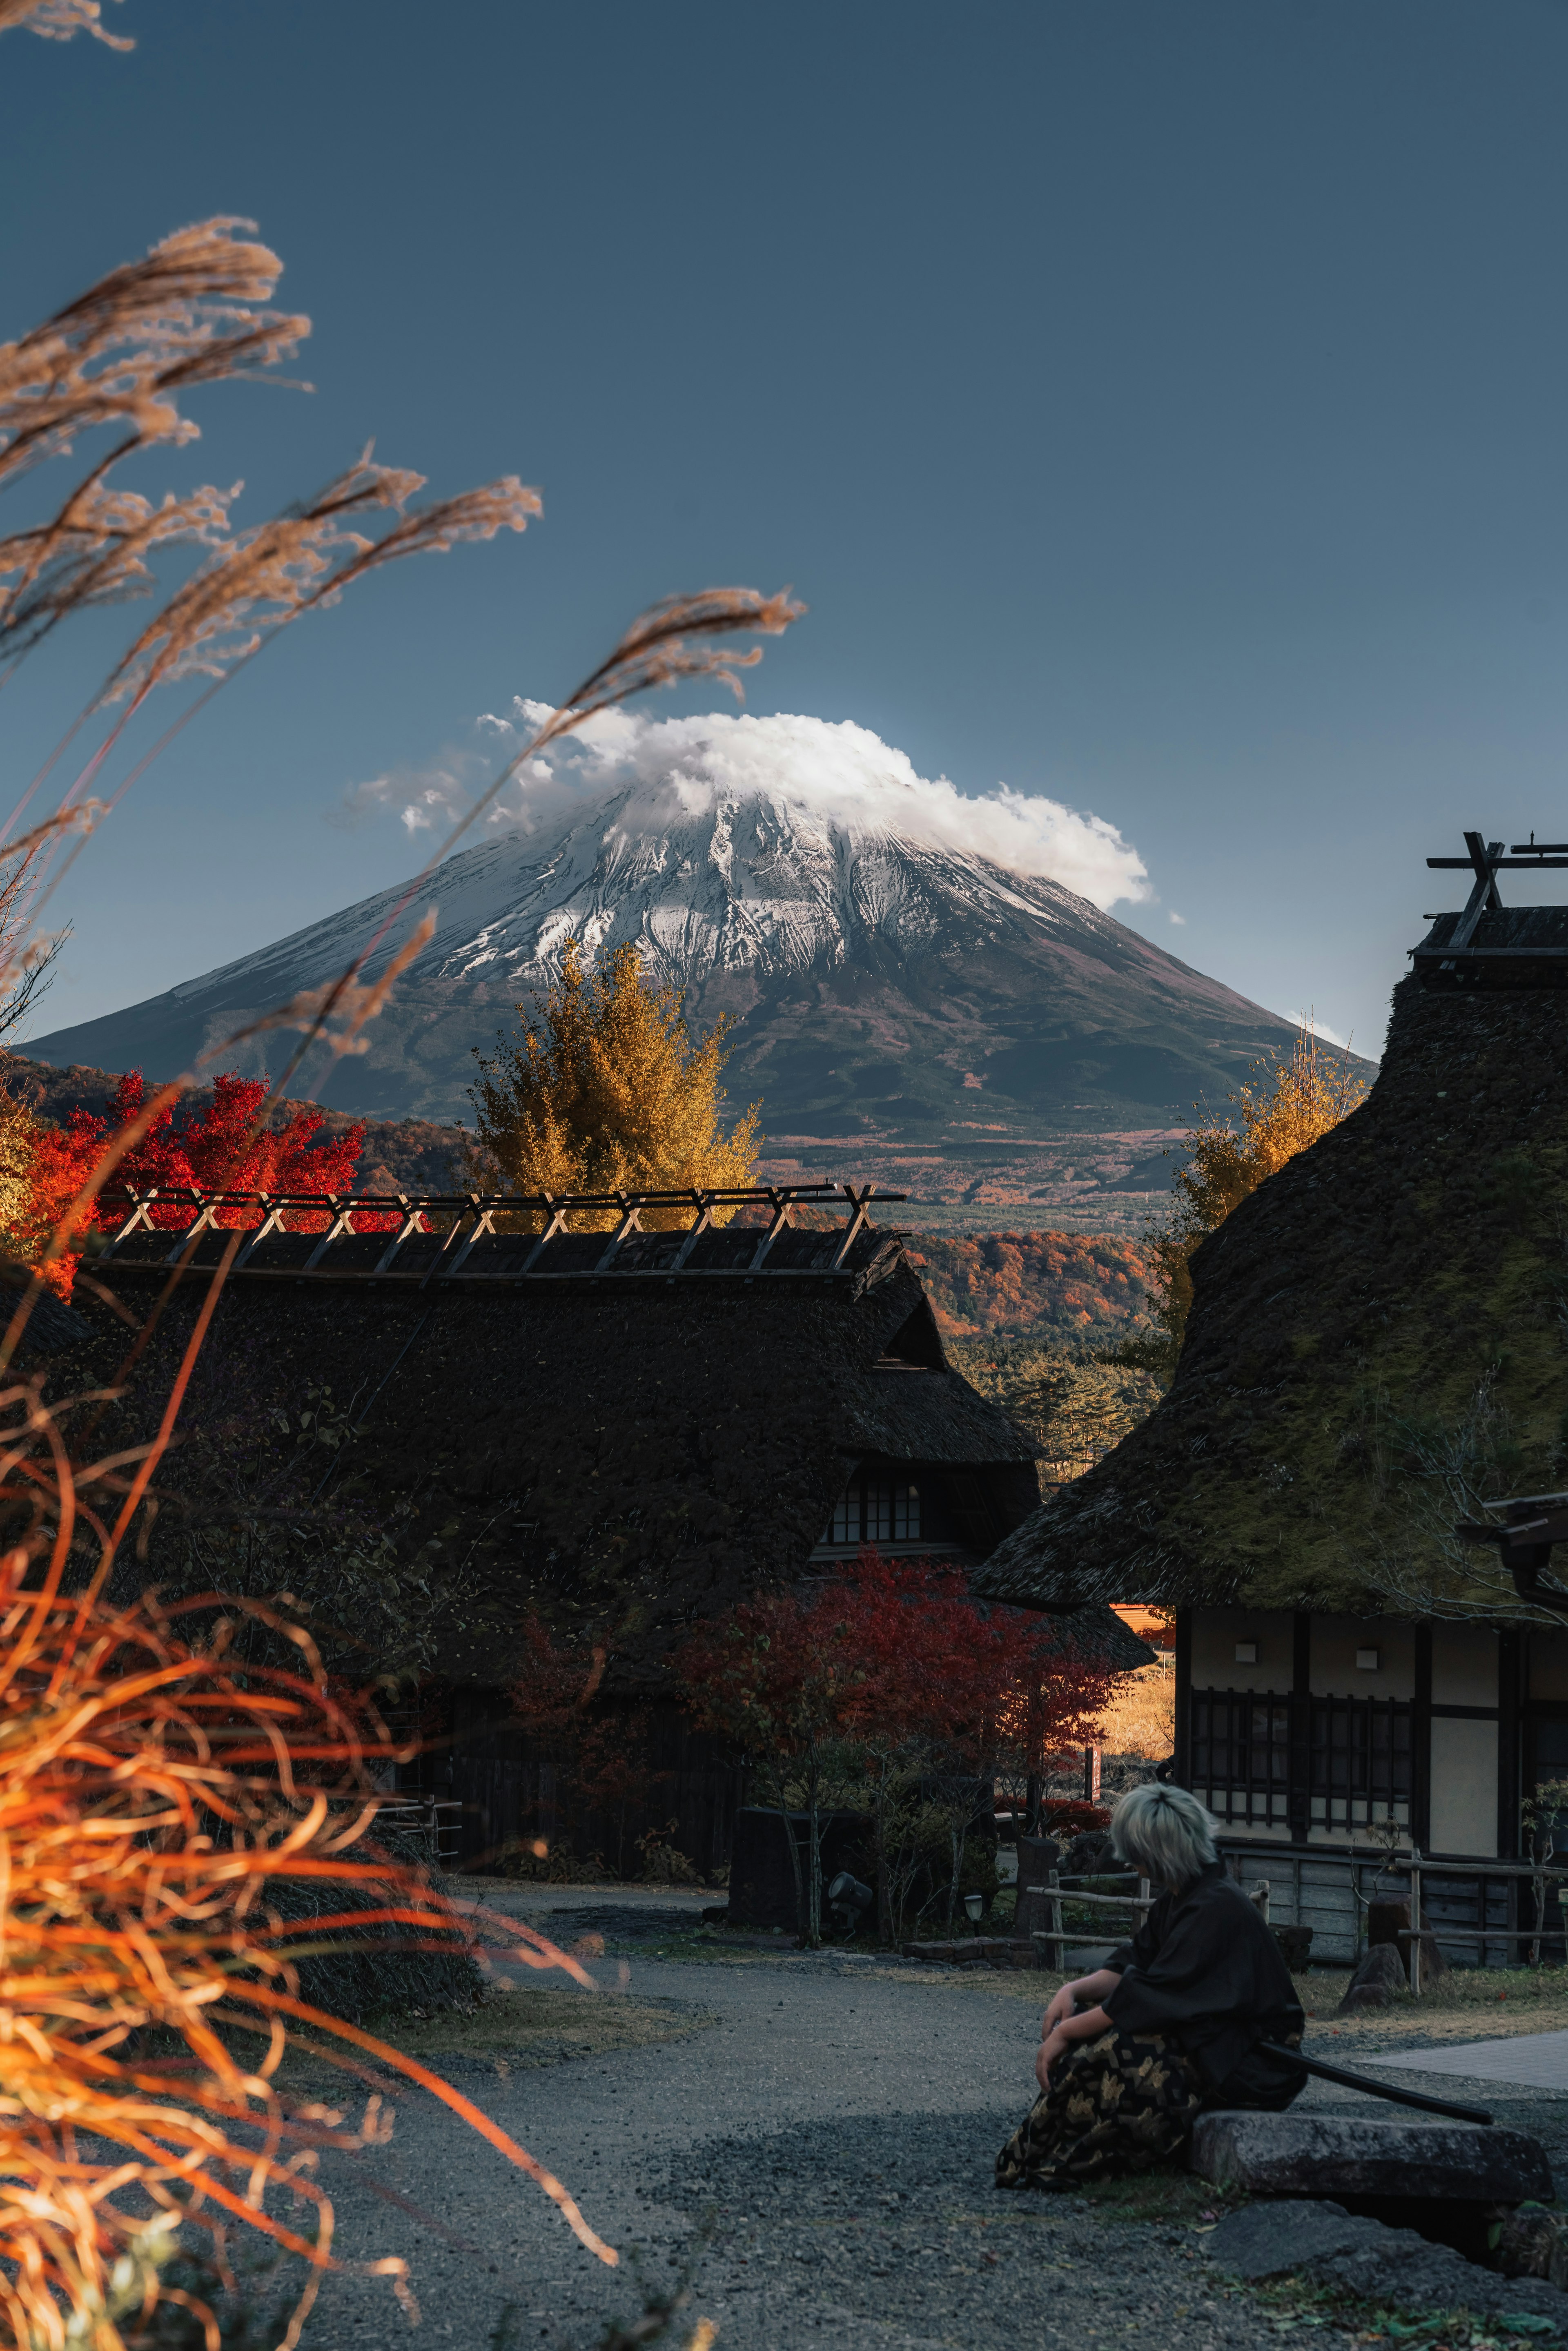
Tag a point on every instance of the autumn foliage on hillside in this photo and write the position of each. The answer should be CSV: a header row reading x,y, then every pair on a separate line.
x,y
1065,1283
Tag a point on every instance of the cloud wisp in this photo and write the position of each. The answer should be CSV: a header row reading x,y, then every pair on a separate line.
x,y
666,770
1309,1021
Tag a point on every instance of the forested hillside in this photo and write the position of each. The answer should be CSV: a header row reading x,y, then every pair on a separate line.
x,y
1053,1285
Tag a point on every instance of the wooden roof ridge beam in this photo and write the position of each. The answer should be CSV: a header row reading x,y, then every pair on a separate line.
x,y
860,1203
782,1207
471,1204
630,1213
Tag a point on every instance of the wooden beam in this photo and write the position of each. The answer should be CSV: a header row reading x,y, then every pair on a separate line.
x,y
1483,898
629,1212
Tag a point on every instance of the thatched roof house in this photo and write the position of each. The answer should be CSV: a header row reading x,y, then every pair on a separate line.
x,y
622,1432
1378,1347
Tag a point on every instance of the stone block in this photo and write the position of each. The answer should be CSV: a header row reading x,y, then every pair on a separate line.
x,y
1391,2268
1275,2239
1335,2155
1385,1921
1380,1975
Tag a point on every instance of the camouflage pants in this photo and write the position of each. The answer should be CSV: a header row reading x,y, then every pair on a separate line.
x,y
1117,2103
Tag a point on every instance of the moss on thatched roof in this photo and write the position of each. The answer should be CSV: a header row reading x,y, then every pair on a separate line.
x,y
623,1456
1377,1343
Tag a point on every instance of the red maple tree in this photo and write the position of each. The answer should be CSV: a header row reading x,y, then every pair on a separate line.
x,y
893,1670
222,1146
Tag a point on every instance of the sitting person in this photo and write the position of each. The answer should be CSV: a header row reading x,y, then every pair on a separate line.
x,y
1170,2024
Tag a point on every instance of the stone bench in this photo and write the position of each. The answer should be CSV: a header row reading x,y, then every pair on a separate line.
x,y
1346,2155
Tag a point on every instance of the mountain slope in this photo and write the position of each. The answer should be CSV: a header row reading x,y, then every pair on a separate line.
x,y
882,987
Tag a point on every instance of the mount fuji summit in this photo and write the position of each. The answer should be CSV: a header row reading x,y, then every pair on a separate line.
x,y
892,969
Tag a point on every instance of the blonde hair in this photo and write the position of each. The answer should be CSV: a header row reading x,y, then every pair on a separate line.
x,y
1164,1832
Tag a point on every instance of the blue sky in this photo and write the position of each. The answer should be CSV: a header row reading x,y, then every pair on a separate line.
x,y
1158,408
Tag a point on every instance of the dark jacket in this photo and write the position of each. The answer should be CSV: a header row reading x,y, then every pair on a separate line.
x,y
1204,1969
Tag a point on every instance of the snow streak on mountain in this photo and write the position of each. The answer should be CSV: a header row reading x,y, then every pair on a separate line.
x,y
889,973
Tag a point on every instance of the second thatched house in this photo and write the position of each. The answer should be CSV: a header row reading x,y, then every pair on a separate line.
x,y
618,1432
1377,1356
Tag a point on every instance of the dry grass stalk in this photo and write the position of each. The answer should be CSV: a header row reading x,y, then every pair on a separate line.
x,y
151,1797
57,20
267,577
122,353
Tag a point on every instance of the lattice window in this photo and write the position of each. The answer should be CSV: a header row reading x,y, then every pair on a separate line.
x,y
1361,1760
1241,1756
875,1509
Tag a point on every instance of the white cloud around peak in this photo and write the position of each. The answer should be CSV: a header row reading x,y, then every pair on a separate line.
x,y
835,769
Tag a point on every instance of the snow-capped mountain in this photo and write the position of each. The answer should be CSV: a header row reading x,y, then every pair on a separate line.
x,y
901,959
879,983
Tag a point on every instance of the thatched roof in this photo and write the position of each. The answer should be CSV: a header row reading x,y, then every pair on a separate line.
x,y
1377,1340
626,1455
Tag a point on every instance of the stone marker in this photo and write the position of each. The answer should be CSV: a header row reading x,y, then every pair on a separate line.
x,y
1386,1921
1390,2267
1380,1975
1335,2155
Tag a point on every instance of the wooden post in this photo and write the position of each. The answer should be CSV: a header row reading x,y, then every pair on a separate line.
x,y
1091,1775
1415,1921
1053,1911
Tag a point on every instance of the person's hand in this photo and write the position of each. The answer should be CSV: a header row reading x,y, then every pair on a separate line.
x,y
1053,2046
1061,2005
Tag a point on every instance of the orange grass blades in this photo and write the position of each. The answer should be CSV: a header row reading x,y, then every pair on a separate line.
x,y
154,1800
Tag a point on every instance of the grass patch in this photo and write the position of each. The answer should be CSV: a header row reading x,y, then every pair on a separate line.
x,y
1468,2004
536,2024
1289,2302
1180,2197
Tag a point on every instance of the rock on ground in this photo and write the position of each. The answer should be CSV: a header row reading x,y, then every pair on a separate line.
x,y
1391,2267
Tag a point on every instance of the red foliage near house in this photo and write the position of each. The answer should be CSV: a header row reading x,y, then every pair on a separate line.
x,y
1070,1817
225,1147
898,1662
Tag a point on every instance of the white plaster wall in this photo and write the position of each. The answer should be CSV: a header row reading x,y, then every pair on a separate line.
x,y
1464,1665
1547,1666
1217,1631
1464,1788
1336,1639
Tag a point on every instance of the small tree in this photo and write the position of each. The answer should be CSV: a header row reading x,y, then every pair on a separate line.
x,y
1293,1104
605,1089
781,1679
980,1694
895,1685
1542,1815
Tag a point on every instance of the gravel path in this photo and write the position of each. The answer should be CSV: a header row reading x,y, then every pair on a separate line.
x,y
832,2131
